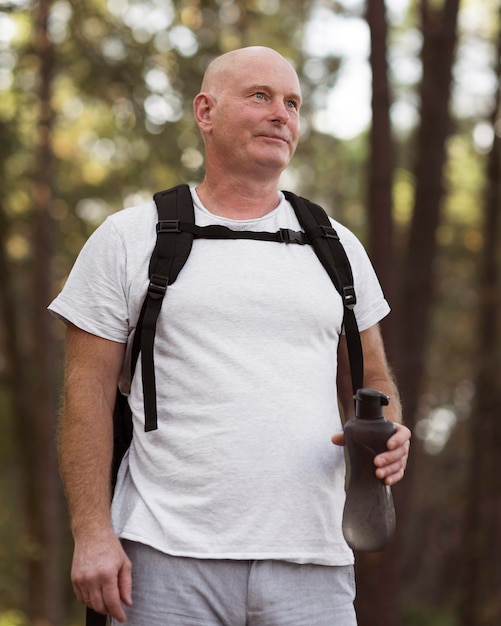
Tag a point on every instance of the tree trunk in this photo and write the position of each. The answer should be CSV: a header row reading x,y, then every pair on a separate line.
x,y
416,291
380,165
45,515
377,575
481,602
439,29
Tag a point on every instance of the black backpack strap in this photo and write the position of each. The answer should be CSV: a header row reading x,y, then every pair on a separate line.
x,y
170,254
216,231
332,255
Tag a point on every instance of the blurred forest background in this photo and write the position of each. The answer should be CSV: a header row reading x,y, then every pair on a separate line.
x,y
95,115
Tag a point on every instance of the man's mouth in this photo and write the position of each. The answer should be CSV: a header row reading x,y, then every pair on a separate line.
x,y
275,138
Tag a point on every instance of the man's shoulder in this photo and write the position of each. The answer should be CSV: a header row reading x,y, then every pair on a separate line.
x,y
131,224
346,235
139,213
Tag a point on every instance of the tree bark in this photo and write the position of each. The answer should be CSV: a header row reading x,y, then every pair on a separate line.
x,y
417,280
377,575
45,515
381,164
439,29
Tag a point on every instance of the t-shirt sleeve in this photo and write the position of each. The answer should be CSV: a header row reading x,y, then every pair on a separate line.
x,y
94,296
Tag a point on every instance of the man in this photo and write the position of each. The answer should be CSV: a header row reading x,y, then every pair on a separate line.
x,y
229,513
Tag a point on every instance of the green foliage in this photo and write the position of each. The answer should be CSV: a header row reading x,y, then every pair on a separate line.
x,y
13,618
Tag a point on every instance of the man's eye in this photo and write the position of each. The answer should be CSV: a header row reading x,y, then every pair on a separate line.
x,y
260,95
292,104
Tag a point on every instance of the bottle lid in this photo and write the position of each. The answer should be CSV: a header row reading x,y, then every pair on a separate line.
x,y
369,403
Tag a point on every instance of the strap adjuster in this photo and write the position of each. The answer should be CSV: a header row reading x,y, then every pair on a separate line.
x,y
286,235
349,297
329,232
168,226
158,286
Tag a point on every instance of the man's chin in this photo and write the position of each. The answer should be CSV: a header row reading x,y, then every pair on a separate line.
x,y
274,159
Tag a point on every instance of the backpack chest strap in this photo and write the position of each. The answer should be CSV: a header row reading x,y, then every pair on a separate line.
x,y
215,231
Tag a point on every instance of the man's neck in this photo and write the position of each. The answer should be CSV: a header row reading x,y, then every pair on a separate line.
x,y
237,200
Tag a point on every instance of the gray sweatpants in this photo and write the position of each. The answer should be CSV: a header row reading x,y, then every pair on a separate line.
x,y
180,591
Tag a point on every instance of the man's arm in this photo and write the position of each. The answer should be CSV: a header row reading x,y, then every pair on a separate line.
x,y
101,571
377,375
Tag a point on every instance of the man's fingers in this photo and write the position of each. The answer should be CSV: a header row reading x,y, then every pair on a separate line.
x,y
103,600
106,584
125,583
401,437
391,465
393,455
338,439
391,474
112,604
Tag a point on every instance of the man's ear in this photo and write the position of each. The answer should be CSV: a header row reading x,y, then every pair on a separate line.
x,y
202,109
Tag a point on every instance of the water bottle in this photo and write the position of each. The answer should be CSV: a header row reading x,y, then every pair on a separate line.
x,y
369,513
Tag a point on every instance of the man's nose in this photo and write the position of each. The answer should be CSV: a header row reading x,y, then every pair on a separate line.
x,y
280,113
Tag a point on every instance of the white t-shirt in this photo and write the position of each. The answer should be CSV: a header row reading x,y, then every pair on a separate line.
x,y
242,465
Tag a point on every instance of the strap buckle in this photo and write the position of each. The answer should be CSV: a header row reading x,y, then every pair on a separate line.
x,y
349,297
329,232
168,226
287,235
158,286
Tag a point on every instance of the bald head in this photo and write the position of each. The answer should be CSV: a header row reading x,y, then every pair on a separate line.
x,y
225,69
248,114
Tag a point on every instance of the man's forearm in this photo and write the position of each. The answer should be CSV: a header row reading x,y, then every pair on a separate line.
x,y
86,427
85,450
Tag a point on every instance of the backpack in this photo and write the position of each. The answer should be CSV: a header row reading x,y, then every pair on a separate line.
x,y
176,230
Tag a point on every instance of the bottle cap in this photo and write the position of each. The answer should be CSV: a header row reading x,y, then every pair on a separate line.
x,y
369,403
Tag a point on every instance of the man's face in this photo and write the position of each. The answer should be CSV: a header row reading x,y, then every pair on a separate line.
x,y
255,118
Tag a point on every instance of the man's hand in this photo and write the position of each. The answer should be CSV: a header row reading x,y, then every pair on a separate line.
x,y
101,574
391,464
